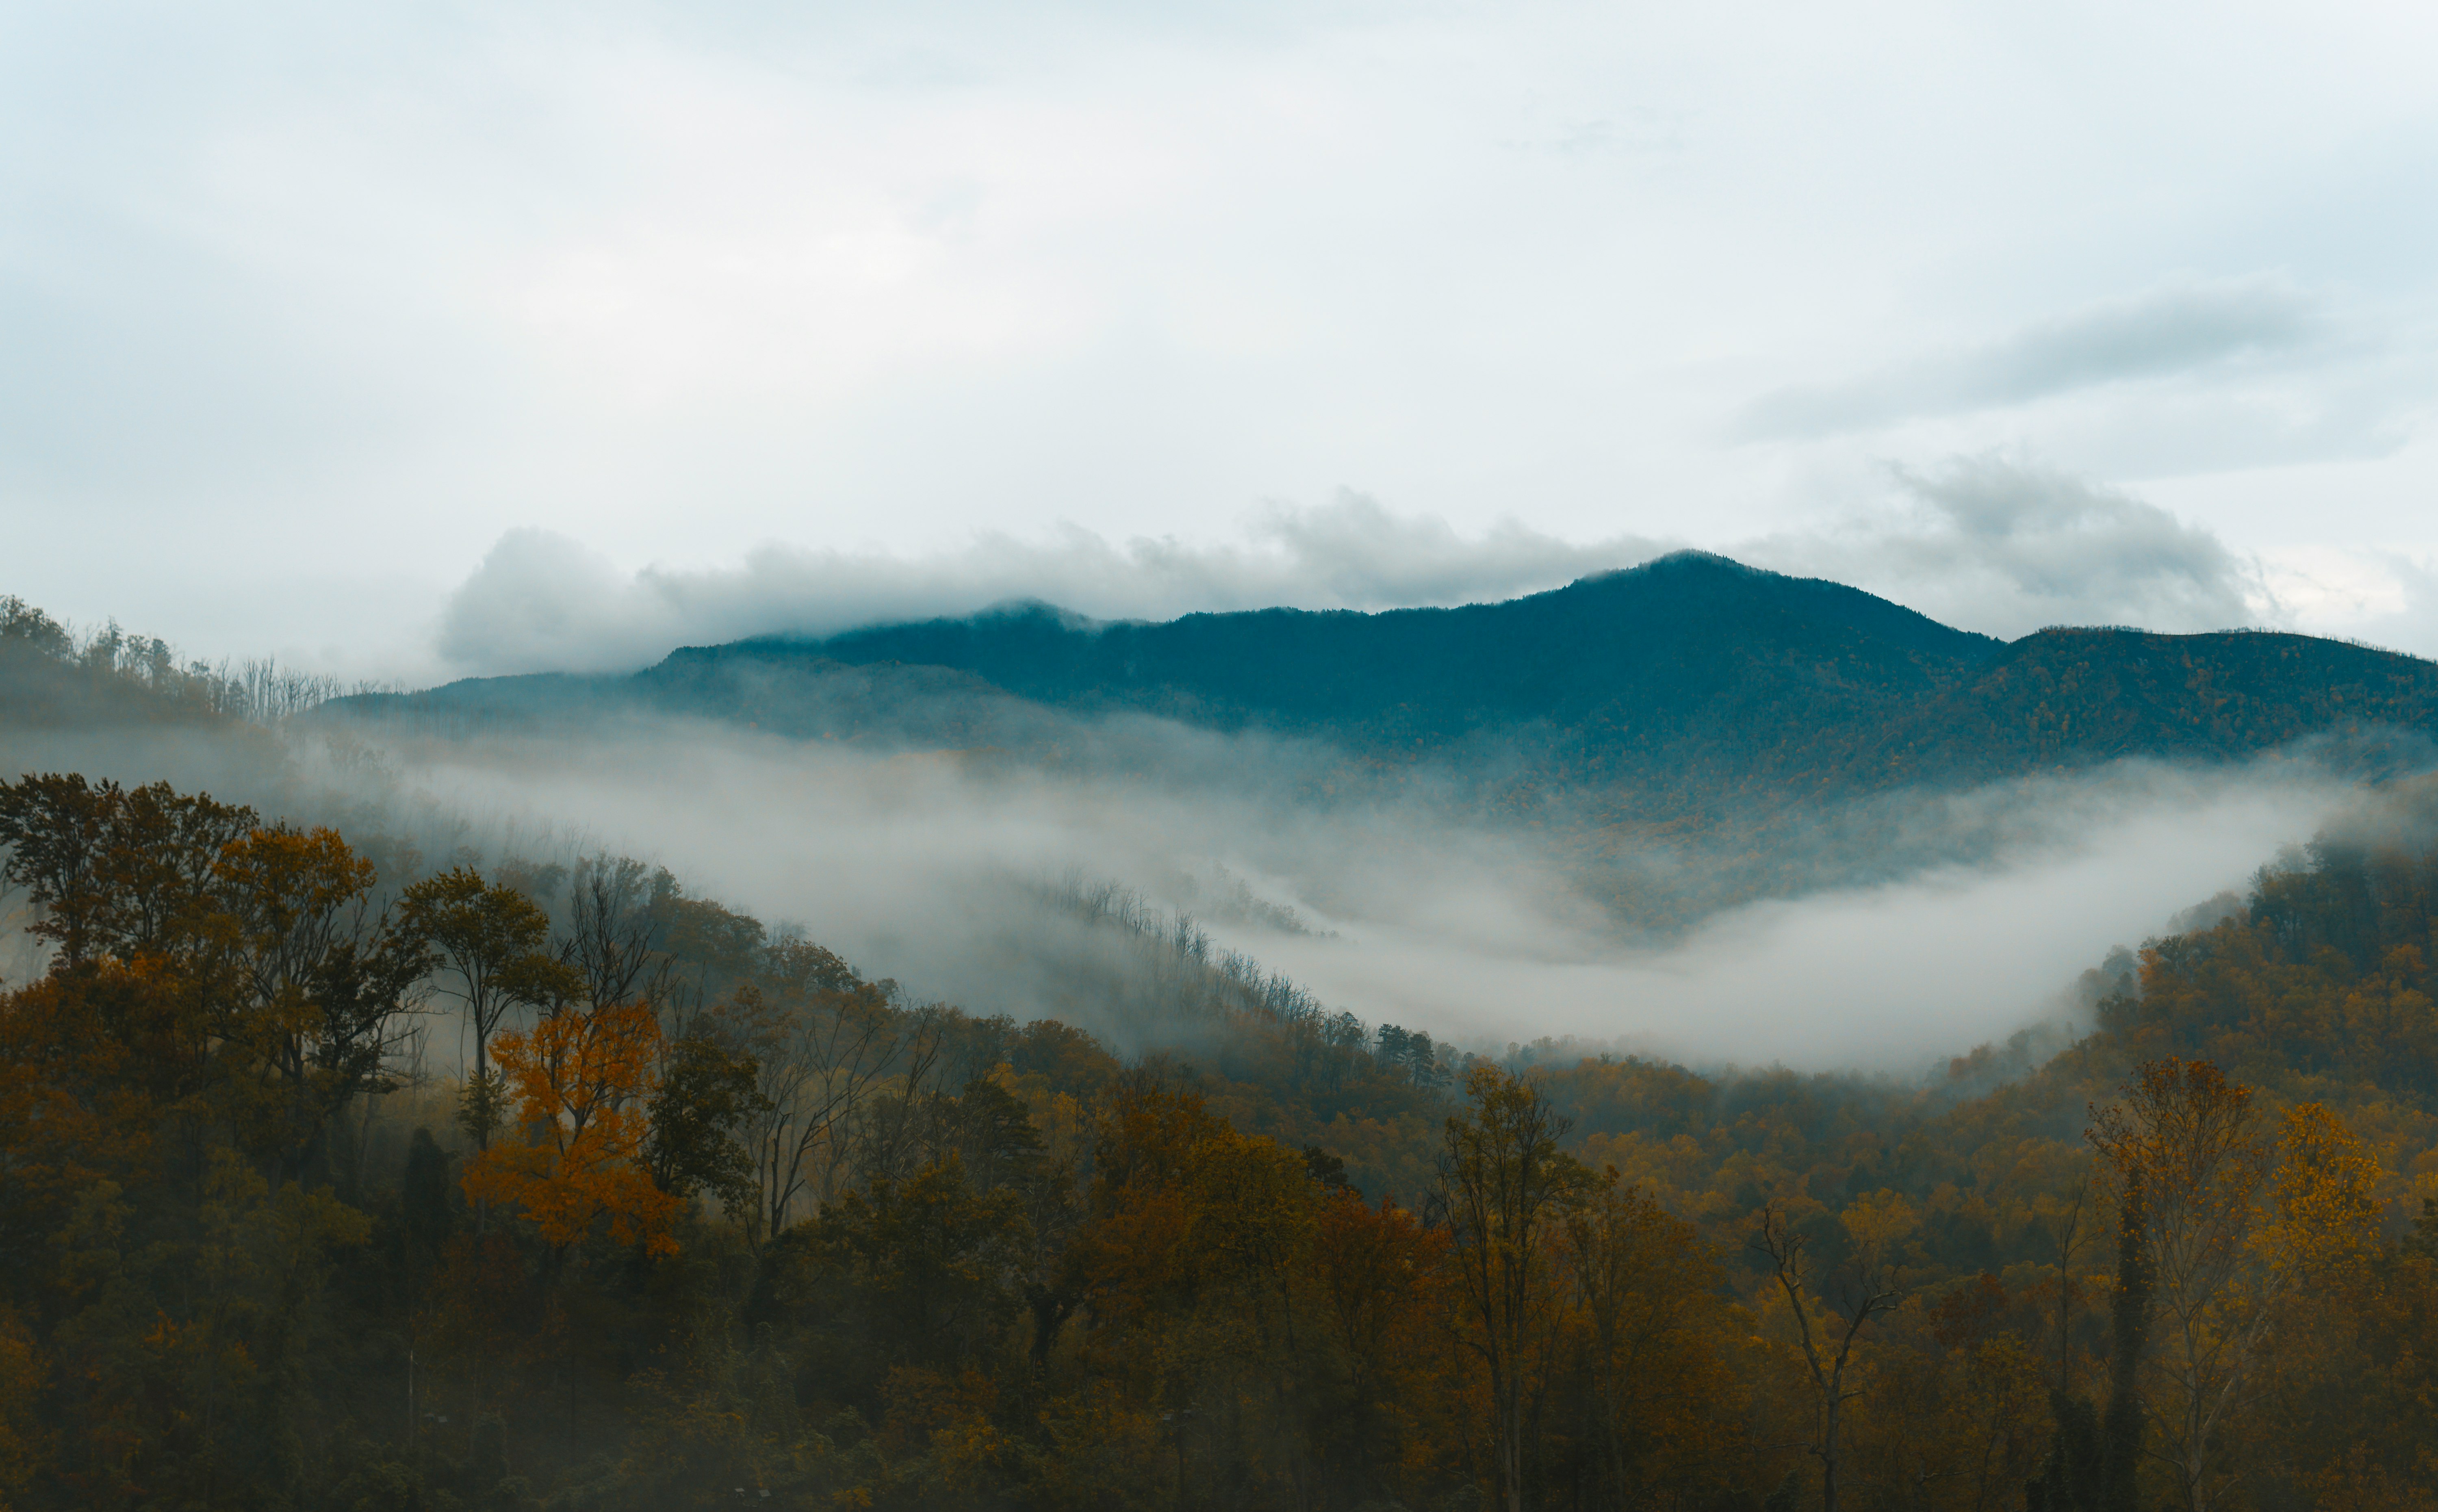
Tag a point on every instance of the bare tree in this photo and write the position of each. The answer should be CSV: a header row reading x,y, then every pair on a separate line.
x,y
1828,1322
613,937
820,1057
896,1130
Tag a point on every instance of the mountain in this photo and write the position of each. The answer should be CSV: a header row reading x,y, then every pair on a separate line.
x,y
1769,733
1667,644
1669,691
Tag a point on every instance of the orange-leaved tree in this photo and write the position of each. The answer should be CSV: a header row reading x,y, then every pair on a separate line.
x,y
581,1082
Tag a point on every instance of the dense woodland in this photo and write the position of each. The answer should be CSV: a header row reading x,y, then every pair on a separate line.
x,y
707,1216
334,1175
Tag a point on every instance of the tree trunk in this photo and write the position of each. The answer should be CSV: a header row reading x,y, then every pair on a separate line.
x,y
2121,1430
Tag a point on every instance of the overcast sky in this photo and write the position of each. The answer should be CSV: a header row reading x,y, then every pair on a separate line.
x,y
419,340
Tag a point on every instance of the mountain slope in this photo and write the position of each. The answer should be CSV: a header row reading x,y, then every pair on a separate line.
x,y
2076,696
1674,695
1661,644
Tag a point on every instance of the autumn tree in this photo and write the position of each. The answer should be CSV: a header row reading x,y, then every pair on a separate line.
x,y
1832,1311
1644,1286
239,966
1505,1188
1383,1276
489,938
2234,1222
327,980
115,870
581,1082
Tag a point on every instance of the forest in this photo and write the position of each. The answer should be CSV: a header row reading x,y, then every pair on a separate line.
x,y
334,1175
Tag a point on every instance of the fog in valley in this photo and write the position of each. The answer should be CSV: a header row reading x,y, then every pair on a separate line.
x,y
1919,925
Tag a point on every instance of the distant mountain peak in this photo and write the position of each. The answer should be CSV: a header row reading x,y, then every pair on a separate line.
x,y
1689,557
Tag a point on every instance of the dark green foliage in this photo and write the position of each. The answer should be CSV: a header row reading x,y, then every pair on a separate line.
x,y
931,1262
2423,1240
989,1131
2073,1475
1324,1167
706,1092
26,630
425,1197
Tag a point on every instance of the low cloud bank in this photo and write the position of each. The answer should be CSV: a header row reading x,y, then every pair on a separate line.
x,y
1882,979
930,869
1991,543
926,871
540,602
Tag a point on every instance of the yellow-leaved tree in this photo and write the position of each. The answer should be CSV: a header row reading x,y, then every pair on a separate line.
x,y
2239,1223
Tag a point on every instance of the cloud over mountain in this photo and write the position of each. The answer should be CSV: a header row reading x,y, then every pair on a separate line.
x,y
540,601
2003,546
1989,543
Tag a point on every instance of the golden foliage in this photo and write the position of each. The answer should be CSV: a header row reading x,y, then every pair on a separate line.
x,y
581,1079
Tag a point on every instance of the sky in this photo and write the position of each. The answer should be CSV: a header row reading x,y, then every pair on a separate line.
x,y
410,342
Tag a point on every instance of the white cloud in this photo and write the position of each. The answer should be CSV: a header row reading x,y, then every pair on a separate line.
x,y
310,308
2178,330
1988,543
2006,546
542,602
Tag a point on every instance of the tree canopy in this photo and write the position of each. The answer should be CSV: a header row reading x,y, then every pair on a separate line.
x,y
703,1214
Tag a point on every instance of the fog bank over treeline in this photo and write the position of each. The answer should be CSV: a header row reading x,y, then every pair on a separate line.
x,y
1910,924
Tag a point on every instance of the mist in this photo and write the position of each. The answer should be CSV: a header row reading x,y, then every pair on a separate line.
x,y
930,869
1876,934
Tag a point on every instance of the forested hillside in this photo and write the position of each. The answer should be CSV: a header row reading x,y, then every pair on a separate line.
x,y
1682,642
51,678
1679,682
703,1216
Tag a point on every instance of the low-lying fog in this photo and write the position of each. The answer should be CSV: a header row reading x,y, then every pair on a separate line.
x,y
929,868
925,868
